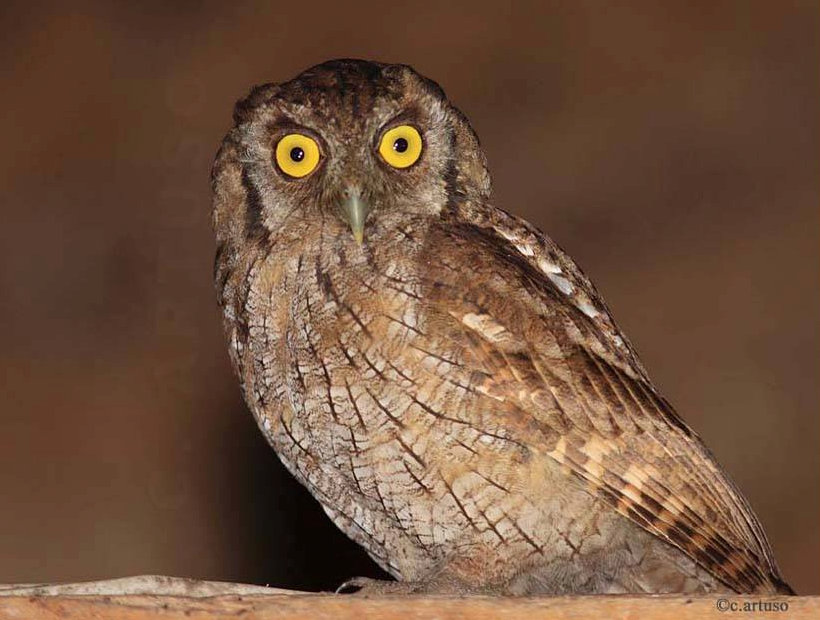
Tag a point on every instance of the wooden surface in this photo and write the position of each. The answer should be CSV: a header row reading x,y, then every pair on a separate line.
x,y
170,598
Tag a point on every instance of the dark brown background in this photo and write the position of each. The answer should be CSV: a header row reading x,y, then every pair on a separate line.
x,y
670,147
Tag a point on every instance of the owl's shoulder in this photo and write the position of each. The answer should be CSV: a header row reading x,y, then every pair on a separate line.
x,y
502,241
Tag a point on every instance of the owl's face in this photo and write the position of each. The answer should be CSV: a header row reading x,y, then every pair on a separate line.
x,y
354,140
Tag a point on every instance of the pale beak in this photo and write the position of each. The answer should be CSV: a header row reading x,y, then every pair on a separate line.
x,y
354,211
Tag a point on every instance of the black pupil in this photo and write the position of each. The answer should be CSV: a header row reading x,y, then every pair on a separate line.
x,y
400,145
297,154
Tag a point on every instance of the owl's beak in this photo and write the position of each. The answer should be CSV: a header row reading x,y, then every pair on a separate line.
x,y
354,211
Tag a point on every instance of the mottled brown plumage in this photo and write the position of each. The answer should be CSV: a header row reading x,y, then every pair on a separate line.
x,y
453,390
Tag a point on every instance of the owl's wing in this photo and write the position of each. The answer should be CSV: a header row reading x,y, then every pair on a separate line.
x,y
550,349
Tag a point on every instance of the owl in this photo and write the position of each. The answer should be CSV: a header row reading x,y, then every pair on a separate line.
x,y
438,373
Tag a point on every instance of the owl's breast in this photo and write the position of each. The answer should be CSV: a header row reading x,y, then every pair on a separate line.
x,y
367,396
330,328
352,319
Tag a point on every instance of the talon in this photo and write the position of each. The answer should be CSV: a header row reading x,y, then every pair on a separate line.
x,y
351,586
365,586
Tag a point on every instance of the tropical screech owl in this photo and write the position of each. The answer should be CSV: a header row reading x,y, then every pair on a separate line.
x,y
438,373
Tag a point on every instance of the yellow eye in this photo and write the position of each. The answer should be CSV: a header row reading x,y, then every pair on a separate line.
x,y
297,155
401,146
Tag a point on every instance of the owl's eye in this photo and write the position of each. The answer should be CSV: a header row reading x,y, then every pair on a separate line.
x,y
401,146
297,155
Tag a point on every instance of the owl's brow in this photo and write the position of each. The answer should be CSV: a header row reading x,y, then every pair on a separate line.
x,y
408,116
285,124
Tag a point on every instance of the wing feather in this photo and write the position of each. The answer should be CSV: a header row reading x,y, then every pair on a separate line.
x,y
552,350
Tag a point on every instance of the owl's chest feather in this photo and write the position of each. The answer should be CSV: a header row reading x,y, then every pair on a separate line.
x,y
325,333
348,319
358,380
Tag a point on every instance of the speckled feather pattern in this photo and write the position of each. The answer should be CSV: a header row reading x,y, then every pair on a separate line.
x,y
454,391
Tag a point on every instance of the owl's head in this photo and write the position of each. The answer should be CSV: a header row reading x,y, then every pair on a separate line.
x,y
347,139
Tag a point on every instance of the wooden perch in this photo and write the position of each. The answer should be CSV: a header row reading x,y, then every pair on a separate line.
x,y
169,598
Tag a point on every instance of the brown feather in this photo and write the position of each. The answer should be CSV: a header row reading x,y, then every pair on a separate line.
x,y
623,438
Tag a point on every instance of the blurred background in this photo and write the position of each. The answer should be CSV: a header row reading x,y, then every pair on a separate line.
x,y
670,147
